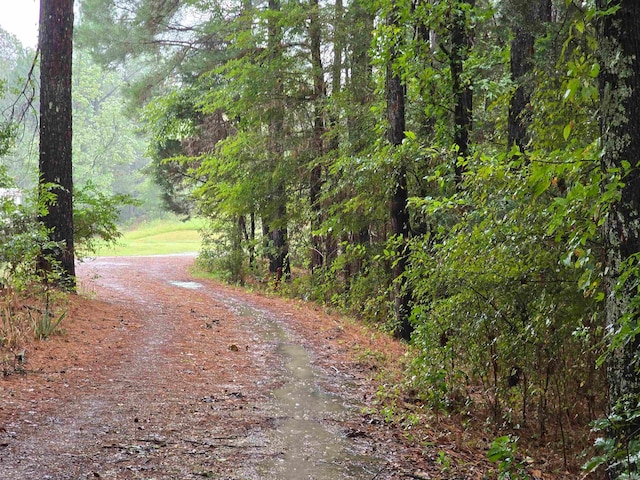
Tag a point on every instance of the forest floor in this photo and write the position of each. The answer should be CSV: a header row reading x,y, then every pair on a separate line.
x,y
158,375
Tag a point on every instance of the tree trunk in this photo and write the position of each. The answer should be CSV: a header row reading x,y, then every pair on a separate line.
x,y
330,241
338,48
619,38
319,94
252,239
248,235
360,85
399,197
277,204
55,162
279,242
535,14
361,93
462,92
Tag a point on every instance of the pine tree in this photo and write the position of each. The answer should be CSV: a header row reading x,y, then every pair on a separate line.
x,y
399,213
56,49
619,44
527,19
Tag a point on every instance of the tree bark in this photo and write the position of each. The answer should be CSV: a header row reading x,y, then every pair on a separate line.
x,y
360,82
619,45
399,212
55,161
462,92
534,14
319,94
330,241
277,201
279,242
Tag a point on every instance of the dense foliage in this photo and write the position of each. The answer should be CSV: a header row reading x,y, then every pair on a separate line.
x,y
433,167
108,147
277,121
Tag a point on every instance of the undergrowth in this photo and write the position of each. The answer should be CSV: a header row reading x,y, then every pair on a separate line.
x,y
30,307
493,423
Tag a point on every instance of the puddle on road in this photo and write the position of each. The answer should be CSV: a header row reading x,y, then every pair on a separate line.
x,y
308,447
187,285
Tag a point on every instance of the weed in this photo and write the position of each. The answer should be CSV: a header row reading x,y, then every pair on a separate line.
x,y
46,323
503,452
444,461
12,328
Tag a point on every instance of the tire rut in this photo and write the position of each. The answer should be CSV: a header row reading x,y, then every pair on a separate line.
x,y
192,383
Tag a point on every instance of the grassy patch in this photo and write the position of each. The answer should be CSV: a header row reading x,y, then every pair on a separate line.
x,y
158,238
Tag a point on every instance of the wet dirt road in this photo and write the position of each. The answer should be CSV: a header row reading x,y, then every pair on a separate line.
x,y
168,377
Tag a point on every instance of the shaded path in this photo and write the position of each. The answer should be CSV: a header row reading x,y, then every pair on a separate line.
x,y
191,380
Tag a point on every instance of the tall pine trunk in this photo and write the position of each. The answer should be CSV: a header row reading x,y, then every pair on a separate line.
x,y
359,26
330,240
399,212
276,219
319,94
525,26
55,162
619,40
462,91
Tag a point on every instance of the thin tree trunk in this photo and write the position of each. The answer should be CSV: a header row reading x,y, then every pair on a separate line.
x,y
278,236
319,94
360,82
463,94
399,212
55,161
521,49
536,14
252,239
338,48
277,210
356,31
330,241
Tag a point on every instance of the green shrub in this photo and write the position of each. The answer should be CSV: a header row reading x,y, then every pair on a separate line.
x,y
24,241
45,323
95,218
224,253
503,451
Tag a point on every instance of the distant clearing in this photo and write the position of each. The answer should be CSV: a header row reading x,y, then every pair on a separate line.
x,y
158,238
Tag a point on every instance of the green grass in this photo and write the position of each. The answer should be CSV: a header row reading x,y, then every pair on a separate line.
x,y
158,238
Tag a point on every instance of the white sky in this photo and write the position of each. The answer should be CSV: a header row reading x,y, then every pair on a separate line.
x,y
20,17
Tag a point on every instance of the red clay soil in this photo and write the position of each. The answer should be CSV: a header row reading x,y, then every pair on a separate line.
x,y
158,375
159,380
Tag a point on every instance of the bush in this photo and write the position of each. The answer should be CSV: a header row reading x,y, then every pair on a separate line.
x,y
24,296
25,240
224,252
95,217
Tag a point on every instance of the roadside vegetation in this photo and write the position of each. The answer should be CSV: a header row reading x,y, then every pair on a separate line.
x,y
460,174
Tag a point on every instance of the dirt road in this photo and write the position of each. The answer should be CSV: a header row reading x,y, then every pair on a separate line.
x,y
160,376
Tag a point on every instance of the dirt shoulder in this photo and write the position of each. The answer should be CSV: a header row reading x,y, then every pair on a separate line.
x,y
159,375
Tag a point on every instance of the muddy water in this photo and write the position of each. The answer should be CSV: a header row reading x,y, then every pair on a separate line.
x,y
309,445
309,448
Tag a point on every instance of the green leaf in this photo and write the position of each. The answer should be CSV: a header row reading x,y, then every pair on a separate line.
x,y
572,89
541,186
626,165
567,131
594,463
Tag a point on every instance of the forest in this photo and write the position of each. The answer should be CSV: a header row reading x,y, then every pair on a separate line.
x,y
460,174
